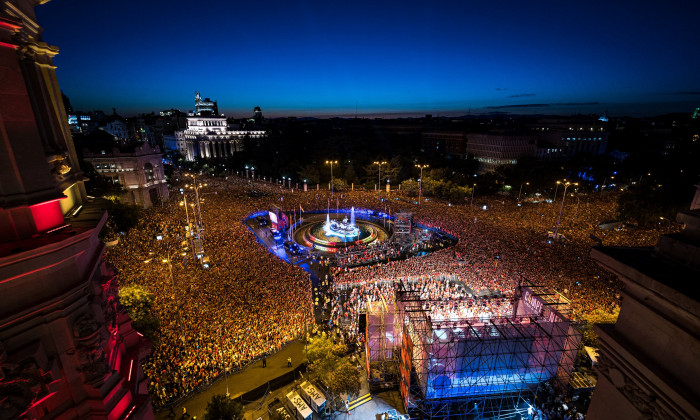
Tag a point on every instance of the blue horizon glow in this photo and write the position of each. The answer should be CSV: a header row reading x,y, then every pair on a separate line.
x,y
324,59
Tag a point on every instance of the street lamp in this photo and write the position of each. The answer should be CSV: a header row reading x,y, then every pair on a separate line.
x,y
521,189
566,185
555,192
666,220
331,162
199,224
420,181
641,176
604,182
472,200
246,171
187,215
379,178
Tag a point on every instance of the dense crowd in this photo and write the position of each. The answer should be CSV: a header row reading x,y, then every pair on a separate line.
x,y
357,255
249,302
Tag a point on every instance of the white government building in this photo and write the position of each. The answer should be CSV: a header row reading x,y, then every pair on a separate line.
x,y
208,136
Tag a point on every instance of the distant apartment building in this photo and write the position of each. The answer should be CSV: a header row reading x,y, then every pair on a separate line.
x,y
208,136
81,122
498,148
139,172
118,129
445,143
571,136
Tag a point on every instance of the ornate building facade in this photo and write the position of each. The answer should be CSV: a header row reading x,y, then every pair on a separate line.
x,y
208,136
648,364
139,172
67,350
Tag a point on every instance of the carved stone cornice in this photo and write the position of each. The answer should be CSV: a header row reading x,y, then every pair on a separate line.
x,y
645,401
36,50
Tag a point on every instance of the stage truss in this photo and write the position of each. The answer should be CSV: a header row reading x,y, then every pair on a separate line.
x,y
471,368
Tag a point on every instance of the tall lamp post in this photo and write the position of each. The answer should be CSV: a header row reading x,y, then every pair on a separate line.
x,y
331,162
472,200
379,178
604,182
566,186
554,200
666,220
521,189
189,226
420,181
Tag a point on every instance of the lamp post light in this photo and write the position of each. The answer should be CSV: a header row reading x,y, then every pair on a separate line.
x,y
554,200
605,181
472,200
666,220
566,186
331,162
187,216
379,178
199,224
420,181
521,189
252,171
246,171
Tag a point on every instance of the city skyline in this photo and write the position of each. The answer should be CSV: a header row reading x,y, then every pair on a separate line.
x,y
316,59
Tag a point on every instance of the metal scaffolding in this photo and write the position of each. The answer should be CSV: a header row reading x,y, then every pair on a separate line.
x,y
476,367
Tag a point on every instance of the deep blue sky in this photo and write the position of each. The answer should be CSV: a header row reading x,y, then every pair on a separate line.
x,y
327,57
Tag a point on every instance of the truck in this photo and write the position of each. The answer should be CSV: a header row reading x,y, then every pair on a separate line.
x,y
298,406
313,397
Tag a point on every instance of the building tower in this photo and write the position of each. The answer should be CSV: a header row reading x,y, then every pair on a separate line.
x,y
205,107
67,350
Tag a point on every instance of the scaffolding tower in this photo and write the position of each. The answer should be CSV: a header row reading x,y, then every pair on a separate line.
x,y
403,222
379,351
471,368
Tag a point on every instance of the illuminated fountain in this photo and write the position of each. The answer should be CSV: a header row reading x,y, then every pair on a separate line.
x,y
342,229
335,232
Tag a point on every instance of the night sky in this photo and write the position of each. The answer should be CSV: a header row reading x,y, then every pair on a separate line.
x,y
382,58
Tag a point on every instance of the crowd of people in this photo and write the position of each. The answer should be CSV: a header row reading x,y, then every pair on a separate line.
x,y
357,255
250,303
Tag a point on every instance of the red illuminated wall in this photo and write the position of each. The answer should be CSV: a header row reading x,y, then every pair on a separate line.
x,y
47,215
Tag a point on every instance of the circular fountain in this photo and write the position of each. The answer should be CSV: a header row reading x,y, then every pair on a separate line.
x,y
338,231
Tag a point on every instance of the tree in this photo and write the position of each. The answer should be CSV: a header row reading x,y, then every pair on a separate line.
x,y
339,184
310,173
222,407
328,365
389,170
124,216
100,186
138,302
349,173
